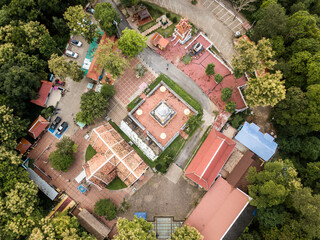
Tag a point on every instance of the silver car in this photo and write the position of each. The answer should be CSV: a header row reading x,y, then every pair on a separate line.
x,y
71,54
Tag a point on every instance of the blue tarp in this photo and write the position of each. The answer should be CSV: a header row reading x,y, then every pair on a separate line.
x,y
141,215
261,144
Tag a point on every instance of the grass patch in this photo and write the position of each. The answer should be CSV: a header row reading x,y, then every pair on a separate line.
x,y
146,26
204,136
116,184
133,103
179,90
90,152
186,59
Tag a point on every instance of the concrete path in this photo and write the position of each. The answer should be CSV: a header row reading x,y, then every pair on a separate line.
x,y
206,17
159,65
174,173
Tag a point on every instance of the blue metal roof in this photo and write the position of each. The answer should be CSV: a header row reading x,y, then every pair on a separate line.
x,y
141,215
261,144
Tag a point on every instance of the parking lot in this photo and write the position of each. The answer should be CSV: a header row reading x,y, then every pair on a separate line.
x,y
82,51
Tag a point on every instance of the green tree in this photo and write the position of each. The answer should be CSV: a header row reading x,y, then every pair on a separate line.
x,y
11,127
311,45
193,123
313,69
230,106
186,232
19,211
62,158
272,216
308,208
108,91
132,43
298,62
273,22
106,15
303,25
218,78
93,105
111,60
311,176
290,114
314,106
79,22
129,3
241,5
104,207
252,57
63,69
264,90
136,229
210,69
10,171
62,226
19,82
22,9
226,93
272,186
61,162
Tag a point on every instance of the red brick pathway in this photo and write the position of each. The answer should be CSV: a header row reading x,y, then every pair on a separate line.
x,y
128,84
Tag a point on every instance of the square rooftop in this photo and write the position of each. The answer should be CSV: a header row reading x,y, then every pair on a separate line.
x,y
162,114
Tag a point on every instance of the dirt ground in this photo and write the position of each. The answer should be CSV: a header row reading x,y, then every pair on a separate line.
x,y
161,197
261,117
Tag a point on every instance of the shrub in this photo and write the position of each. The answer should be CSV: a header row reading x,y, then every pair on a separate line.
x,y
193,123
108,90
210,69
237,120
226,94
230,106
60,161
105,207
218,78
140,70
47,112
168,15
174,19
194,2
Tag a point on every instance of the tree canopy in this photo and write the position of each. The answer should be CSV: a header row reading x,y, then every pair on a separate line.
x,y
131,42
93,105
136,229
106,15
210,69
110,59
264,90
104,207
186,232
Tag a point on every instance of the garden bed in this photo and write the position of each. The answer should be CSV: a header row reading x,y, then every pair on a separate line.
x,y
116,184
90,152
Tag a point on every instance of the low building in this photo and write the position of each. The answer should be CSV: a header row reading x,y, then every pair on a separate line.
x,y
218,210
159,41
210,159
23,145
114,157
182,32
93,225
43,94
38,126
260,143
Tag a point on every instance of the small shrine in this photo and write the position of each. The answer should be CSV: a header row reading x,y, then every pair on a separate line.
x,y
159,41
182,32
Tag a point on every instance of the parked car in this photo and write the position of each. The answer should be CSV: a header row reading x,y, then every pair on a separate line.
x,y
71,54
55,123
198,47
62,128
90,10
76,43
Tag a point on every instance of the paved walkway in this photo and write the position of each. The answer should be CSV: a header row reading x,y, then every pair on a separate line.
x,y
205,17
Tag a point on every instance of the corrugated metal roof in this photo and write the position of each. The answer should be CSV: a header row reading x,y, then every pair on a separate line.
x,y
261,144
42,185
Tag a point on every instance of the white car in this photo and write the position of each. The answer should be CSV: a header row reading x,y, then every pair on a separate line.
x,y
76,43
71,54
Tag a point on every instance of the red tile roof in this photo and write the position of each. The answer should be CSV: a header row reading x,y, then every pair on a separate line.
x,y
218,210
94,71
210,159
158,39
38,126
23,145
183,26
115,157
44,92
